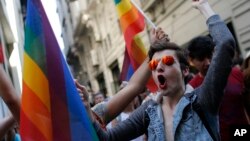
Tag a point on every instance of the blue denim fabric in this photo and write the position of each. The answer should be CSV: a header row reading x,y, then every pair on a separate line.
x,y
186,125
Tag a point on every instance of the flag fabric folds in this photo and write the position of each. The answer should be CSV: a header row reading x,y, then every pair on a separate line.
x,y
51,109
132,23
127,69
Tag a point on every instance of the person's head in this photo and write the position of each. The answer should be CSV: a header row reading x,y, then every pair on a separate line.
x,y
168,64
200,52
98,98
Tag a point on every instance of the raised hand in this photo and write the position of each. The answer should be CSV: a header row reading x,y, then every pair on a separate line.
x,y
85,98
204,7
83,94
157,35
198,3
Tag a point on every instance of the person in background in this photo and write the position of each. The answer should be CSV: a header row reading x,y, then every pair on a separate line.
x,y
84,95
128,110
9,95
246,93
98,98
6,124
200,52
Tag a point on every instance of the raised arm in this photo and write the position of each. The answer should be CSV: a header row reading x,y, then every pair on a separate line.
x,y
131,128
136,84
5,125
212,89
9,95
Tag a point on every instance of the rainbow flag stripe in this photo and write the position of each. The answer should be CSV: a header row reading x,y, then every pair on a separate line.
x,y
51,108
132,23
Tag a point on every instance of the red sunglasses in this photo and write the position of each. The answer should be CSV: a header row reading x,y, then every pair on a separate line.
x,y
167,60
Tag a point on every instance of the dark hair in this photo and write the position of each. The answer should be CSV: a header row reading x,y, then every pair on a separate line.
x,y
246,62
200,47
163,45
98,93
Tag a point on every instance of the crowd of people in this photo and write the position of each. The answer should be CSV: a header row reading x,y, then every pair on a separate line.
x,y
187,106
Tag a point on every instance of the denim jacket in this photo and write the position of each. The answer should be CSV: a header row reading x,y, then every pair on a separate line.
x,y
187,125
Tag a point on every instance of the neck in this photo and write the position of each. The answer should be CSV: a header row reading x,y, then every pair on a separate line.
x,y
171,101
201,75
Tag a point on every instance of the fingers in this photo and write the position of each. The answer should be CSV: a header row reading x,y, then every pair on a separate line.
x,y
82,96
161,35
81,90
78,85
81,87
158,35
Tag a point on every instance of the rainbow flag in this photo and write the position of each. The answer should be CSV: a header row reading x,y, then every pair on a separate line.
x,y
51,109
132,23
127,69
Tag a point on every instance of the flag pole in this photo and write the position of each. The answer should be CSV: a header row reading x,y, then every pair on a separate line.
x,y
145,16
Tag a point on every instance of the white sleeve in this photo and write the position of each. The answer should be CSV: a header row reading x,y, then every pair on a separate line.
x,y
189,89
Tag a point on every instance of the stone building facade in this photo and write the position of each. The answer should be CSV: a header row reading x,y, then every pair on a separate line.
x,y
99,44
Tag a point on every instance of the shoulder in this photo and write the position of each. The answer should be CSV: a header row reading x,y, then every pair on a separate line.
x,y
99,108
236,75
148,103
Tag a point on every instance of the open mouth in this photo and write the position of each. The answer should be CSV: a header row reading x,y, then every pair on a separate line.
x,y
163,82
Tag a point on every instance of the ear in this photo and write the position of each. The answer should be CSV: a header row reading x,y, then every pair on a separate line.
x,y
190,61
185,72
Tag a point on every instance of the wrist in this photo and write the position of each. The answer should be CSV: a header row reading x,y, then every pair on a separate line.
x,y
206,10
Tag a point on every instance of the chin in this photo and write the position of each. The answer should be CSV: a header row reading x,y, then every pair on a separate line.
x,y
164,92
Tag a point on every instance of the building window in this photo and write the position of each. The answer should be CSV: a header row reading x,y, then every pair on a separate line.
x,y
115,73
101,83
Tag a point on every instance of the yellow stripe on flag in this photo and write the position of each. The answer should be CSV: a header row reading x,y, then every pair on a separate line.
x,y
123,7
36,80
128,18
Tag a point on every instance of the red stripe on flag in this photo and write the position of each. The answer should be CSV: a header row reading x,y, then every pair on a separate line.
x,y
35,112
133,30
137,55
30,131
129,34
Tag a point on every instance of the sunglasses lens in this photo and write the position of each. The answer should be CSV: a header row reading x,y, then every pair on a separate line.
x,y
168,60
153,64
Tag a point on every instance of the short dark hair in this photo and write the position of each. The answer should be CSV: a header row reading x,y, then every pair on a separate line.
x,y
98,93
200,47
165,45
246,62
